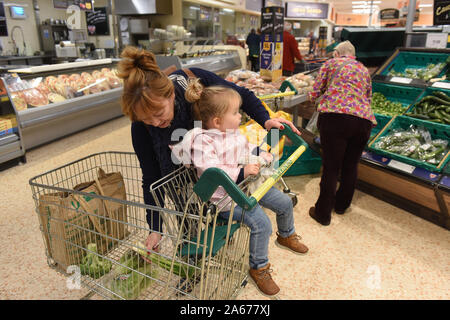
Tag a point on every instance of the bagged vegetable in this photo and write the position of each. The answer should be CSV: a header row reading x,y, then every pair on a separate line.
x,y
132,276
415,143
180,269
93,265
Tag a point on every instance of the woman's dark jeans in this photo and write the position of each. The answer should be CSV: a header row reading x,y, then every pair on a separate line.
x,y
343,138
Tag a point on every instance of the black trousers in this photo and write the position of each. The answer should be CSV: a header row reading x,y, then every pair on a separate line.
x,y
343,138
254,62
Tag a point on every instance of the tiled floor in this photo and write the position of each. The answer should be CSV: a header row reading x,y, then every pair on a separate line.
x,y
375,251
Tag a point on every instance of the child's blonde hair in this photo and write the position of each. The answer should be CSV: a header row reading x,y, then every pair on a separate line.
x,y
209,102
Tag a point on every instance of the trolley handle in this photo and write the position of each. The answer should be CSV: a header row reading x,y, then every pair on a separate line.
x,y
212,178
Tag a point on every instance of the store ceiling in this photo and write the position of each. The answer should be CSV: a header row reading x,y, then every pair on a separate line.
x,y
346,6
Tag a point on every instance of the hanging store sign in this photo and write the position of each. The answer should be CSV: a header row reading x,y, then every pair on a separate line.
x,y
82,4
254,5
306,10
205,13
389,14
441,12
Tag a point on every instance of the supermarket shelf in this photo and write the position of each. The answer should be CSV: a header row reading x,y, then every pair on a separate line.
x,y
8,138
11,150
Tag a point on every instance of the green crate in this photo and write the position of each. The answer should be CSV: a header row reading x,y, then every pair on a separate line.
x,y
397,93
437,131
428,92
309,162
404,60
382,121
407,96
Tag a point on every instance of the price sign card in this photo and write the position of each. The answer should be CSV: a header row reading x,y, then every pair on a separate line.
x,y
401,166
401,80
442,85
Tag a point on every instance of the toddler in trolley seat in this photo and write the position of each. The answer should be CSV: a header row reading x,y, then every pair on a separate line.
x,y
220,144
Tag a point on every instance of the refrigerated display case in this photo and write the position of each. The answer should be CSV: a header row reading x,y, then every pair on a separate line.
x,y
53,101
11,143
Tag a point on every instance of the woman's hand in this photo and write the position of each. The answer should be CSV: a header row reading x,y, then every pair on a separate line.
x,y
251,169
279,123
268,157
152,242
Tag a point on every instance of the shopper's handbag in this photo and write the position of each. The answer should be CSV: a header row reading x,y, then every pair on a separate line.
x,y
312,124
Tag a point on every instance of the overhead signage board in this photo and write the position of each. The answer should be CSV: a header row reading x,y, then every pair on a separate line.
x,y
306,10
254,5
389,14
441,12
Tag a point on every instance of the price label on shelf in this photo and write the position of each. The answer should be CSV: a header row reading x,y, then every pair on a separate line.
x,y
442,85
401,166
401,80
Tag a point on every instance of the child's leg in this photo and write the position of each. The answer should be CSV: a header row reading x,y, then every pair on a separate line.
x,y
260,231
281,204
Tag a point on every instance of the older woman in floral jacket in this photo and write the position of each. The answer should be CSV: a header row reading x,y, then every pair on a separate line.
x,y
345,122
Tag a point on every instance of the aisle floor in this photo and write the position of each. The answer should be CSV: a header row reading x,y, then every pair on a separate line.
x,y
375,251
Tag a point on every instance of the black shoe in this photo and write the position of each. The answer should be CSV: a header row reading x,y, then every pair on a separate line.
x,y
312,213
339,211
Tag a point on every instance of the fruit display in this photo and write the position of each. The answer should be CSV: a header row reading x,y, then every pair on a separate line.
x,y
434,107
41,91
415,143
383,106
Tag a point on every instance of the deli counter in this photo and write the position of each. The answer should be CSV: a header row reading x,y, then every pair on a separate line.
x,y
53,101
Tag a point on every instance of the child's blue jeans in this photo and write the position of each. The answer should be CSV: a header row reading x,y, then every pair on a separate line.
x,y
260,225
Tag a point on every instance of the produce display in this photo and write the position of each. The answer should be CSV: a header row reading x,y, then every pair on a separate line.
x,y
253,81
429,72
383,106
434,107
41,91
415,143
93,265
126,282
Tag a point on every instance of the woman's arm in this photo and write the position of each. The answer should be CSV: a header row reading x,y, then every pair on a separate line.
x,y
320,84
250,103
143,147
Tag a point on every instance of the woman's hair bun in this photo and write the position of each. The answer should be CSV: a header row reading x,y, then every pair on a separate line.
x,y
194,90
135,60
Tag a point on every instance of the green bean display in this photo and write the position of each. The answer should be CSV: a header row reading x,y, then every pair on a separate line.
x,y
429,72
415,143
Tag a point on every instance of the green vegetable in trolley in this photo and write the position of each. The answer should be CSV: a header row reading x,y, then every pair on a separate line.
x,y
92,265
179,269
132,276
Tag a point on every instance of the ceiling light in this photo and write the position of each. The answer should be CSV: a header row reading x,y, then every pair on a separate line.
x,y
425,5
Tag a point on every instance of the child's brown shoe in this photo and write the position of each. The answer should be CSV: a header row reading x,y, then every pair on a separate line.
x,y
264,281
292,242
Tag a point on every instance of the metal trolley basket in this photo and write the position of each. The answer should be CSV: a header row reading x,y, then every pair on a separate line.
x,y
99,239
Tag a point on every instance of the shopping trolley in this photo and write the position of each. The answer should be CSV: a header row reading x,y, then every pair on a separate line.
x,y
97,239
